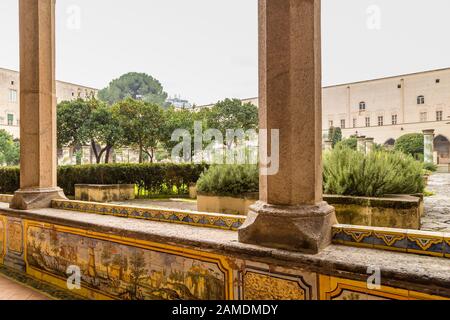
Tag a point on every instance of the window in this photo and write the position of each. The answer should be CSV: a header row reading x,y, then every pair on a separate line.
x,y
438,80
423,117
380,121
420,100
342,124
355,122
367,122
439,115
330,123
399,86
362,106
394,119
10,119
12,95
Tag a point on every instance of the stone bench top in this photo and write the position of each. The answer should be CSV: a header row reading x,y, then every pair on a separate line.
x,y
104,185
426,274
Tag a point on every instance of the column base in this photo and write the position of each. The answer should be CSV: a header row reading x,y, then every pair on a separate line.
x,y
27,199
304,229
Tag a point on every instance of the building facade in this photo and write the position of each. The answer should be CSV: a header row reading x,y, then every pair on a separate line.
x,y
388,108
9,98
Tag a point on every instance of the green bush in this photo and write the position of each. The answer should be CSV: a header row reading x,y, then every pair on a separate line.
x,y
411,144
348,172
430,167
229,180
351,143
149,178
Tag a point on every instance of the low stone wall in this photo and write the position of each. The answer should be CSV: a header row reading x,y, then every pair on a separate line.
x,y
226,205
183,262
399,211
443,168
104,193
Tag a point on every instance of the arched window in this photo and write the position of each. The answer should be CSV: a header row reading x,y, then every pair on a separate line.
x,y
420,100
362,106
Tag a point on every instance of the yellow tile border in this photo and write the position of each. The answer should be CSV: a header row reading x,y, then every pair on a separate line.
x,y
221,261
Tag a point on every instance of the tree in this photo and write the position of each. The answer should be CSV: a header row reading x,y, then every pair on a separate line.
x,y
138,86
335,135
412,144
104,130
143,125
71,123
232,114
9,149
82,122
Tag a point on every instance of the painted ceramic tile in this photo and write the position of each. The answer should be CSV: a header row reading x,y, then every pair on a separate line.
x,y
2,238
265,286
15,236
125,272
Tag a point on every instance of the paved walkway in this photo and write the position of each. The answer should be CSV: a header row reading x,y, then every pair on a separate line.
x,y
437,207
11,290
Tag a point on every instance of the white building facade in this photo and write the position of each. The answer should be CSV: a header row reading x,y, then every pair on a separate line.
x,y
9,98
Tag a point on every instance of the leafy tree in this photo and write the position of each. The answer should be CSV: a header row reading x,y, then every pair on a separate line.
x,y
138,86
143,125
9,149
82,122
104,130
412,144
335,135
71,123
232,114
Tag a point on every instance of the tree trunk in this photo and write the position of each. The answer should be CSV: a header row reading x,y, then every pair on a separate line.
x,y
108,153
94,148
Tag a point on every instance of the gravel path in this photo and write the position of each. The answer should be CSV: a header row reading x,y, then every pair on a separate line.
x,y
437,207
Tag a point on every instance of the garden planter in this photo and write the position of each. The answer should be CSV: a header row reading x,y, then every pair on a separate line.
x,y
104,193
393,211
224,204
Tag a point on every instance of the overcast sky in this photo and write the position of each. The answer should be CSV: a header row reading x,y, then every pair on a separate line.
x,y
206,50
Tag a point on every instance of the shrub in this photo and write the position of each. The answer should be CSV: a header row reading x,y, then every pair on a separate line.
x,y
348,172
229,180
430,167
411,144
335,135
351,143
149,178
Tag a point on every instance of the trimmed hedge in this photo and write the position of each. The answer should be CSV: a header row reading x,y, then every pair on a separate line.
x,y
149,178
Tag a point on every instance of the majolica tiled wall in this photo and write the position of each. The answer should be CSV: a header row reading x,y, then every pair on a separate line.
x,y
114,267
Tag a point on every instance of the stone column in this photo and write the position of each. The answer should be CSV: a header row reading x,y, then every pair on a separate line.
x,y
328,145
361,144
428,145
370,143
86,155
38,158
291,213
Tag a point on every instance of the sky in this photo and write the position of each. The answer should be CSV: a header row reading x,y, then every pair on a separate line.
x,y
207,50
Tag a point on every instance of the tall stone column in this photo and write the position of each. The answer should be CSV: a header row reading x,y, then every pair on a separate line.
x,y
370,143
361,144
38,160
291,213
428,144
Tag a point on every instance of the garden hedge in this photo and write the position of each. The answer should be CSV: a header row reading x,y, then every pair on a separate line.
x,y
149,178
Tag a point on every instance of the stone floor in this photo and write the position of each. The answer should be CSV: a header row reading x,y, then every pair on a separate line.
x,y
175,203
11,290
437,207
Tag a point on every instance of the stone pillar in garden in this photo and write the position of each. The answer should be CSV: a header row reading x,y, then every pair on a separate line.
x,y
361,144
370,144
428,145
328,145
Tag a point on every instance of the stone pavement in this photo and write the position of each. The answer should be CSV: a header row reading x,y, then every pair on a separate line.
x,y
11,290
437,207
